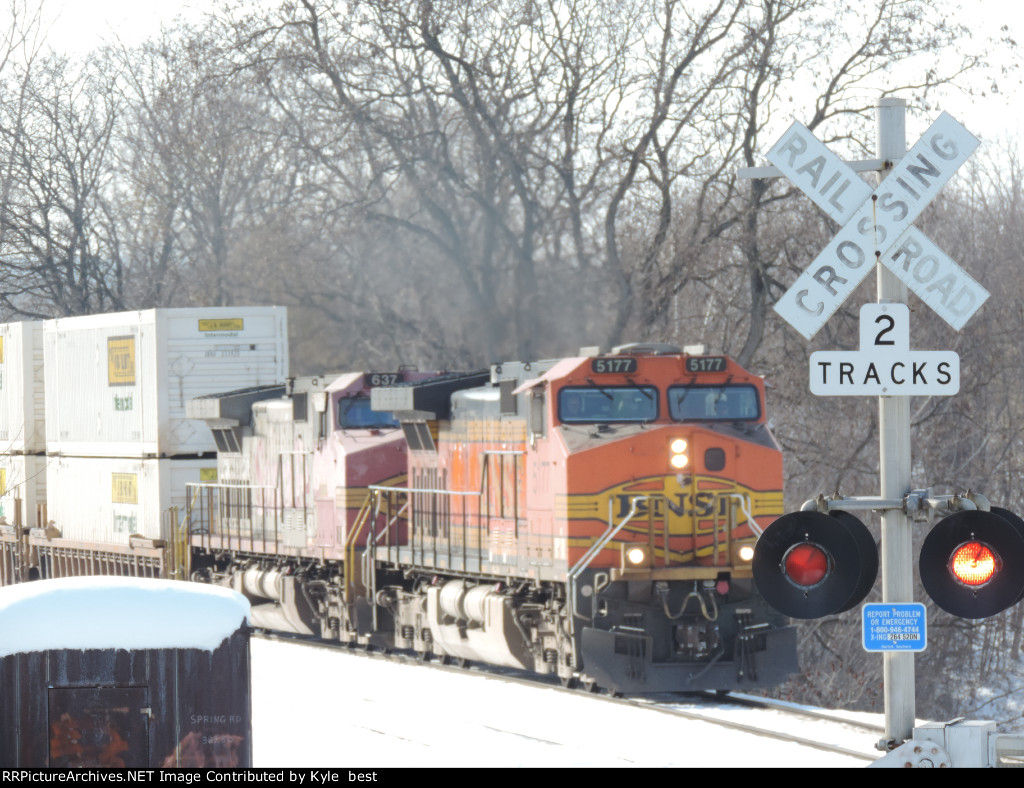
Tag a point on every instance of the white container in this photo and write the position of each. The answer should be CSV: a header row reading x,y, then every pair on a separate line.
x,y
106,499
22,488
117,384
22,409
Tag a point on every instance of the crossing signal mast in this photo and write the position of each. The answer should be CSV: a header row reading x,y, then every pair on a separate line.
x,y
823,560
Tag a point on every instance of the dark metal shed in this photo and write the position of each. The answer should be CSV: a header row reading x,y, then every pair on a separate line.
x,y
124,672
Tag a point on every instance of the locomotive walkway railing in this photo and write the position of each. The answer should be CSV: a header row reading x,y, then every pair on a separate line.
x,y
240,516
438,529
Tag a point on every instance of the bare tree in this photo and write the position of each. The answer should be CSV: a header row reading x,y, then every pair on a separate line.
x,y
202,161
56,255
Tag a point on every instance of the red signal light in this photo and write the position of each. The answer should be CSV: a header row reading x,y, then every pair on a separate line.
x,y
805,564
973,564
812,564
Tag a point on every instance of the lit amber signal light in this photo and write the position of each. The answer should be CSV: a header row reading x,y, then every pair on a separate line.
x,y
974,564
677,457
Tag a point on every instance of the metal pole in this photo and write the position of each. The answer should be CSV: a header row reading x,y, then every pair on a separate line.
x,y
894,469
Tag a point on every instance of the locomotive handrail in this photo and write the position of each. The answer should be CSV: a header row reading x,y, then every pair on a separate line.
x,y
484,514
420,490
361,518
429,490
744,501
597,547
184,562
612,530
387,529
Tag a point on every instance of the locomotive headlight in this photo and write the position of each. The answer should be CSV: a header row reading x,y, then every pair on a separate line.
x,y
745,552
635,555
677,456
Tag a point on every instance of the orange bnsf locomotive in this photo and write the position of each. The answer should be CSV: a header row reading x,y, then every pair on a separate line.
x,y
591,518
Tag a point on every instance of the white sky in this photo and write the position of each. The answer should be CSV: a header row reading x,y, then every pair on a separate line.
x,y
83,24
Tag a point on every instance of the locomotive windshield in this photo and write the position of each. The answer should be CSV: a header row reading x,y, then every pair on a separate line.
x,y
597,404
713,403
355,414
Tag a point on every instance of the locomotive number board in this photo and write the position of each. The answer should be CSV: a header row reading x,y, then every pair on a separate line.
x,y
604,366
383,378
705,364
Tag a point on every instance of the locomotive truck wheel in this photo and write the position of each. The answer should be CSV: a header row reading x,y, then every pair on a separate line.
x,y
569,682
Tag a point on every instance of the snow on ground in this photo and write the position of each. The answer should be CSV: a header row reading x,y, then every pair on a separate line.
x,y
316,708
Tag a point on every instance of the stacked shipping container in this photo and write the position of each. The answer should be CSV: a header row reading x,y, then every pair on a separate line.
x,y
22,425
117,444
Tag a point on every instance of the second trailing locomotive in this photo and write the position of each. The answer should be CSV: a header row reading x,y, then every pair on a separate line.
x,y
589,517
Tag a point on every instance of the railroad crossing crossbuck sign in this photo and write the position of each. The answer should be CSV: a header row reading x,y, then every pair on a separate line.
x,y
877,223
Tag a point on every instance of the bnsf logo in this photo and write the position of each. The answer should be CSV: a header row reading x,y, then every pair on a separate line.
x,y
700,504
668,501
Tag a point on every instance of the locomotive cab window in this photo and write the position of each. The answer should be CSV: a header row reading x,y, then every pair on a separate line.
x,y
355,414
600,404
713,403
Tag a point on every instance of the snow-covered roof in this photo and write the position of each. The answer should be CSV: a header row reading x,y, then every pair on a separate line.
x,y
117,612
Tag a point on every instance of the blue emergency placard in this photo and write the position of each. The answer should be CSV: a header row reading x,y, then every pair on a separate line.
x,y
900,626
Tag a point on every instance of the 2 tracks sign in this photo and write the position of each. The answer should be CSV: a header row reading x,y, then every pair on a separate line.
x,y
885,366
